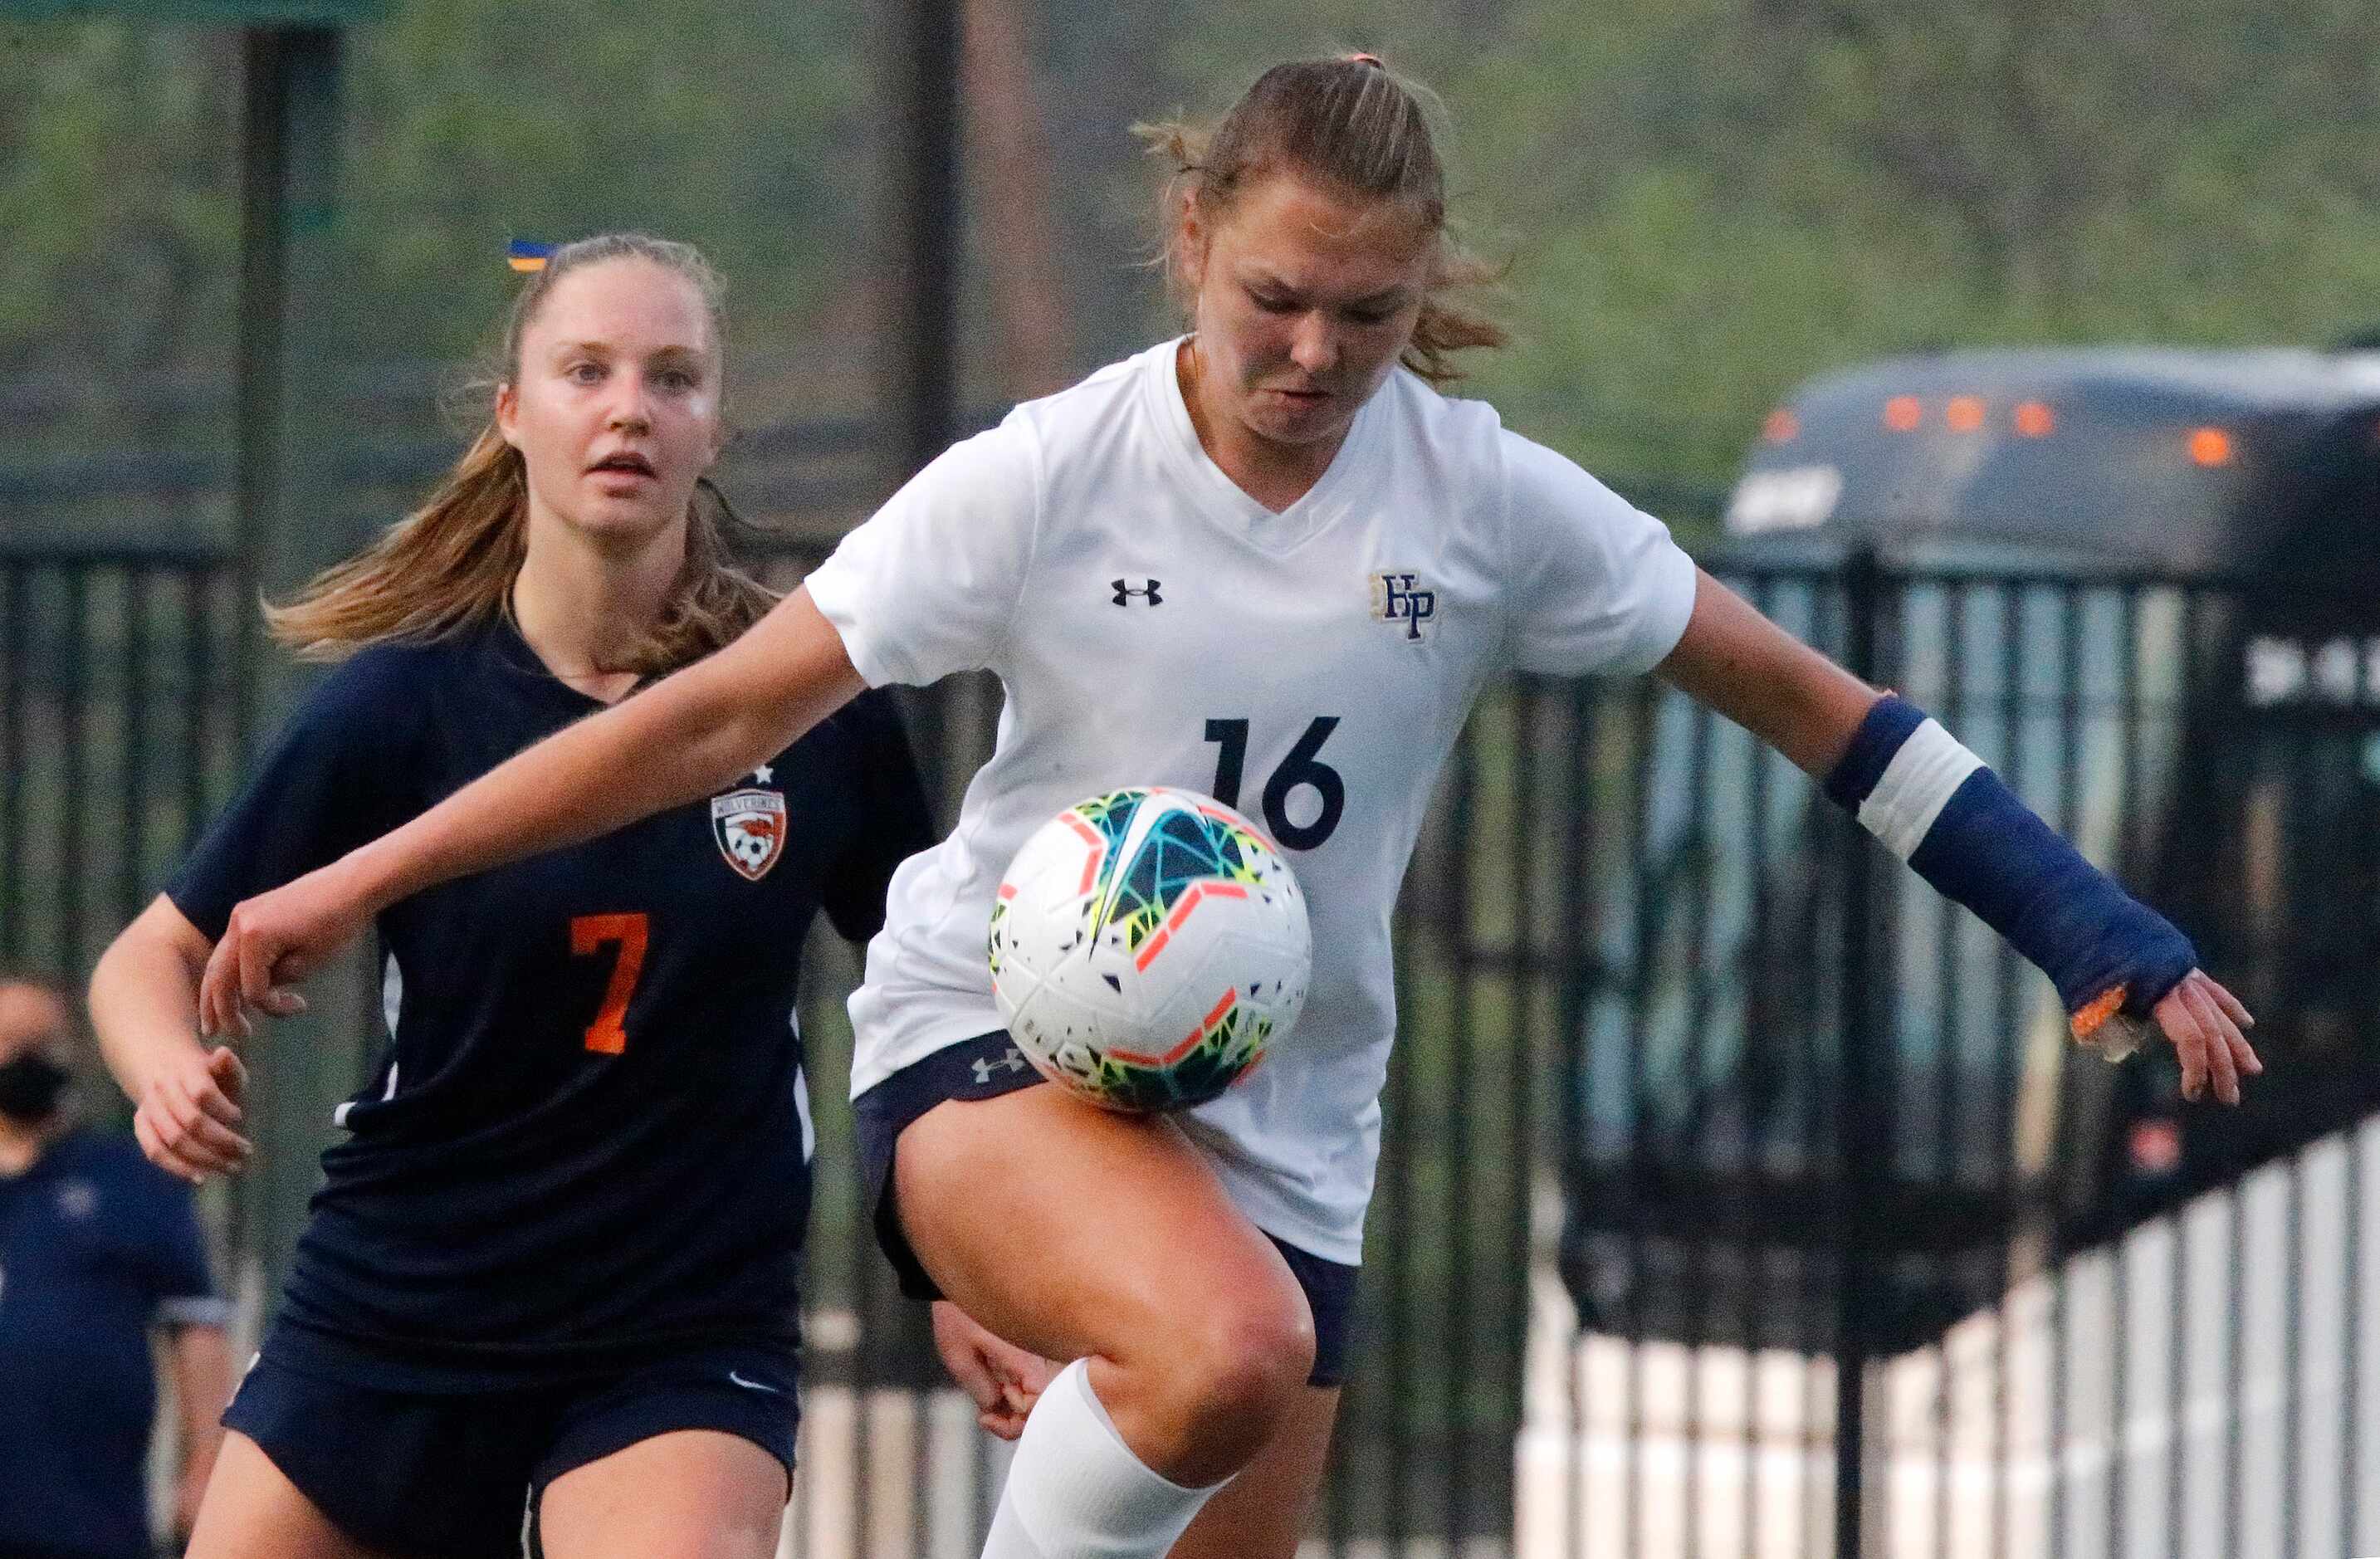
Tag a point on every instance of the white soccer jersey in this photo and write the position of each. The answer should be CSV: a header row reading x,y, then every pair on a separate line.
x,y
1151,624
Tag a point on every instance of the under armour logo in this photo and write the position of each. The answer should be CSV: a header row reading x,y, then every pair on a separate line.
x,y
1012,1062
1123,595
1395,599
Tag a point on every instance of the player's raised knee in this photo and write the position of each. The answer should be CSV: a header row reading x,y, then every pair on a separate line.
x,y
1243,1366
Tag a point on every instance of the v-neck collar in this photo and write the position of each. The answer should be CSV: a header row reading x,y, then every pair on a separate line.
x,y
514,650
1334,493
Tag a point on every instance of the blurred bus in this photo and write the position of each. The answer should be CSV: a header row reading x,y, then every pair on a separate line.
x,y
2145,586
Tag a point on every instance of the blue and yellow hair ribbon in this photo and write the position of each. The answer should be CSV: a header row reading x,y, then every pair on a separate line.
x,y
528,254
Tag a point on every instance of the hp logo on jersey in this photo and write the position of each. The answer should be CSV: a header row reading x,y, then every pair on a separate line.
x,y
1399,600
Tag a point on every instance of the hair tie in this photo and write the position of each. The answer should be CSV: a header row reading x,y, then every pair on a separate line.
x,y
528,254
1372,60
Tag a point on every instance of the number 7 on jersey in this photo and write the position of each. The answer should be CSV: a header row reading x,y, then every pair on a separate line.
x,y
608,1035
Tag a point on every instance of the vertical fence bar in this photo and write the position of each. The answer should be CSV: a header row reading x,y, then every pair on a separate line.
x,y
1532,719
2235,1369
2016,1195
1394,1403
2128,852
2352,1202
1950,924
74,791
1827,833
1859,1156
1580,967
1692,1261
1755,1169
15,648
198,650
2350,1392
2292,1331
1460,1274
1644,993
132,790
2177,1353
2068,598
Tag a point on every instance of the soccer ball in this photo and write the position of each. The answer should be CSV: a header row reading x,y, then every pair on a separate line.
x,y
1146,945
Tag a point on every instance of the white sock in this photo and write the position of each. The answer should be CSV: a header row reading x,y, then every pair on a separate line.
x,y
1077,1491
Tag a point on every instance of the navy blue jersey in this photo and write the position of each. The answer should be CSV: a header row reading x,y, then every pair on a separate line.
x,y
586,1141
96,1246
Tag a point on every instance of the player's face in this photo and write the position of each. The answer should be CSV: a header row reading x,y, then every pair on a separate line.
x,y
616,409
1305,298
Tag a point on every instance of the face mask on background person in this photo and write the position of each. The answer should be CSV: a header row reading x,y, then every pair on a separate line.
x,y
30,1086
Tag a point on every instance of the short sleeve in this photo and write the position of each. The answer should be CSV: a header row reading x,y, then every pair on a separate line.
x,y
185,1289
330,783
1598,585
895,821
928,584
175,1259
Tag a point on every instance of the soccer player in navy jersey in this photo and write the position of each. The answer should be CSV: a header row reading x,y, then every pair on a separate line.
x,y
1270,552
551,1265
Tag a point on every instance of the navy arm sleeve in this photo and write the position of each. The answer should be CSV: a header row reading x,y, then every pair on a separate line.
x,y
333,780
894,821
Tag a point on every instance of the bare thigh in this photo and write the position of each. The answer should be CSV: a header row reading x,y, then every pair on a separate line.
x,y
694,1494
1262,1513
1081,1234
253,1511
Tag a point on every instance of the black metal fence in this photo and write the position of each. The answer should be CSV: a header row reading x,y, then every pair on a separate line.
x,y
1739,1197
1865,1257
121,725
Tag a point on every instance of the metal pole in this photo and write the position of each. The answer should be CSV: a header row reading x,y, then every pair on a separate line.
x,y
1863,1146
918,48
921,76
286,527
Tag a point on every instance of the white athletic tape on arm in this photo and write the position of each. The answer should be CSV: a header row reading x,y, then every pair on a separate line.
x,y
1917,783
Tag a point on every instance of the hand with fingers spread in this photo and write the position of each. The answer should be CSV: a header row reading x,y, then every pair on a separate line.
x,y
188,1114
1004,1380
271,943
2204,1021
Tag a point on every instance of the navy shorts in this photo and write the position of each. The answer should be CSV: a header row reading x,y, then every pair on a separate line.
x,y
985,1068
454,1475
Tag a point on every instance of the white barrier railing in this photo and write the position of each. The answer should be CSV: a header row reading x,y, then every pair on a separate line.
x,y
2166,1446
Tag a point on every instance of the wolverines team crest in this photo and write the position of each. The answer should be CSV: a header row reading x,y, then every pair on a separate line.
x,y
750,825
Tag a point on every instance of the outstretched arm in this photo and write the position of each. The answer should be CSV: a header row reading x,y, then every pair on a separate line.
x,y
683,738
1938,808
188,1099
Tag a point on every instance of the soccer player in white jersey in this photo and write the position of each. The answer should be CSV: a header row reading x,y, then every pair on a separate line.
x,y
1268,560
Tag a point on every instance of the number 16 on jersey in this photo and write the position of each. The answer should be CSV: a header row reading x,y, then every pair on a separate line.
x,y
1302,767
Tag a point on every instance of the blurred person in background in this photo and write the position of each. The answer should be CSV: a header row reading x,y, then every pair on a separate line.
x,y
99,1249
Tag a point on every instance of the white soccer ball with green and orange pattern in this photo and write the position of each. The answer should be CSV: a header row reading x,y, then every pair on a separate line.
x,y
1146,946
